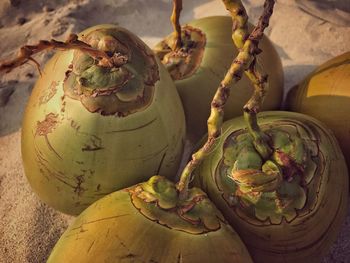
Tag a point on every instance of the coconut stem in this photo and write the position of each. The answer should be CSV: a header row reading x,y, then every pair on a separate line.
x,y
175,20
259,80
26,52
242,62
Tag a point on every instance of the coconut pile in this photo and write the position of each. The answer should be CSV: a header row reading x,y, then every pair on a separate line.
x,y
305,33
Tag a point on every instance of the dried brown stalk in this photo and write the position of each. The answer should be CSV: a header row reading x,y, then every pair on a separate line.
x,y
246,56
26,52
175,20
239,35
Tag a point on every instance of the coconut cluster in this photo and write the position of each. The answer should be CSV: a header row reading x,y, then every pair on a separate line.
x,y
104,131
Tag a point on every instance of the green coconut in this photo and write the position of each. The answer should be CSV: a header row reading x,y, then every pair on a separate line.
x,y
290,206
199,66
90,130
325,95
149,223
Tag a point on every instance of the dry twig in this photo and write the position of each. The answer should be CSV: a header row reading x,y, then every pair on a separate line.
x,y
242,62
175,20
26,52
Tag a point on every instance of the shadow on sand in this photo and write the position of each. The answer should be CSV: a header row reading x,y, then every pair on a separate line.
x,y
336,12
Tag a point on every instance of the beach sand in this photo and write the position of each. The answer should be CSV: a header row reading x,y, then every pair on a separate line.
x,y
305,33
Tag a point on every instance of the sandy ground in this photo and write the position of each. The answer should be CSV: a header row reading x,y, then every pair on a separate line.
x,y
305,33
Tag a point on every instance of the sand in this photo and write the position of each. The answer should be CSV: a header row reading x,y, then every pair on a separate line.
x,y
305,33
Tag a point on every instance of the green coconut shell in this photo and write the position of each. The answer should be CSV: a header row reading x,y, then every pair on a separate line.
x,y
76,148
304,221
325,95
197,90
121,228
